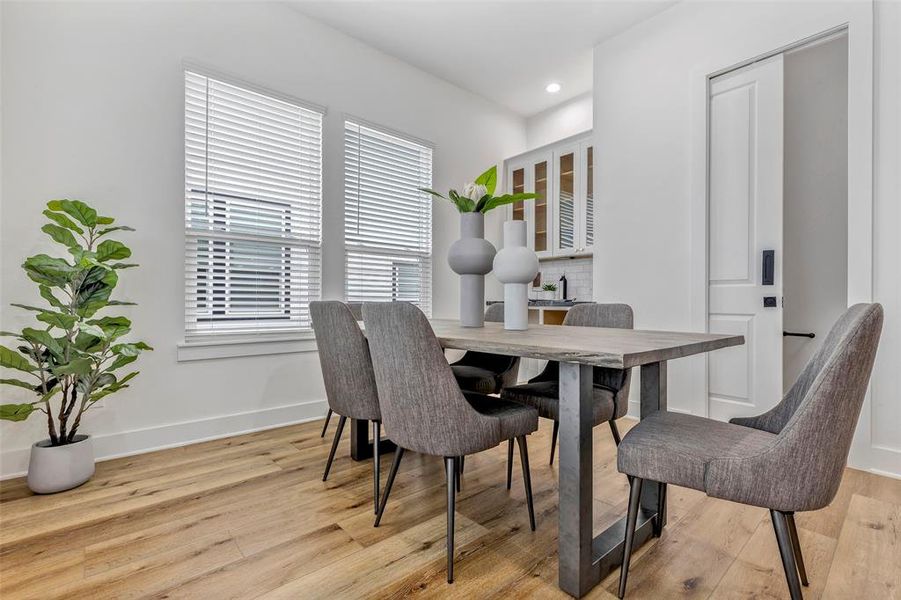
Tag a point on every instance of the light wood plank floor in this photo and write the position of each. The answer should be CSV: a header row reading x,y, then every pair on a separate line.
x,y
248,517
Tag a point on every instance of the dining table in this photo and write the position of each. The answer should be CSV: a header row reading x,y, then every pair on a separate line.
x,y
584,559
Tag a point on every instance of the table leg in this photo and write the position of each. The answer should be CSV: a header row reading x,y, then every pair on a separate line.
x,y
360,446
576,575
584,559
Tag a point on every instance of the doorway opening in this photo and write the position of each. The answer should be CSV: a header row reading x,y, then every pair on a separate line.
x,y
777,218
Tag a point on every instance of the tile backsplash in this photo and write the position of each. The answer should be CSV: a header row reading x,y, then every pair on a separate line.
x,y
578,275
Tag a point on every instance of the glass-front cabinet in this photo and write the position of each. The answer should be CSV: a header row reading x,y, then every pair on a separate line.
x,y
561,219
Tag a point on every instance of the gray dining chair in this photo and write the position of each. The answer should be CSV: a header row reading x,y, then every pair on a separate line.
x,y
486,373
347,372
424,410
356,309
789,459
611,386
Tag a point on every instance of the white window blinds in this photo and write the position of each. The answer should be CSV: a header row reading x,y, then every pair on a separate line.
x,y
387,220
253,191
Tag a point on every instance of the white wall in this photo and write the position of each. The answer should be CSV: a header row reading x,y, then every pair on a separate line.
x,y
815,184
93,109
643,135
561,121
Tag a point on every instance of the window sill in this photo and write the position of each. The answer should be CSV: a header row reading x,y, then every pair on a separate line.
x,y
211,347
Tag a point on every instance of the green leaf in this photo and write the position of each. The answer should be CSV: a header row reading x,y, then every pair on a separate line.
x,y
121,303
121,361
104,220
39,336
93,292
124,265
63,220
10,334
15,412
76,209
507,199
130,349
488,179
14,360
432,192
18,383
112,250
107,230
76,366
60,235
46,270
28,307
92,330
47,295
112,327
63,321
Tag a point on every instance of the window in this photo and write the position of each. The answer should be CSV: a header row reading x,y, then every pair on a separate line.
x,y
387,220
253,192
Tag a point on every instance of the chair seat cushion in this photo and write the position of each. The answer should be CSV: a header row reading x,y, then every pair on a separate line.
x,y
676,448
476,379
545,397
515,419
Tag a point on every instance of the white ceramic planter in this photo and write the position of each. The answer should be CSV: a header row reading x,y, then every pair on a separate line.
x,y
54,469
516,266
471,257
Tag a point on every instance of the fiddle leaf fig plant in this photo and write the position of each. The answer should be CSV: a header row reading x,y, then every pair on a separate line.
x,y
72,357
478,196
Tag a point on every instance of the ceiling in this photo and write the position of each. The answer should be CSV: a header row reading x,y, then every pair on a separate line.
x,y
507,51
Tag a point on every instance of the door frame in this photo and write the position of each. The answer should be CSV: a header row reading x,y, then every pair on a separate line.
x,y
857,21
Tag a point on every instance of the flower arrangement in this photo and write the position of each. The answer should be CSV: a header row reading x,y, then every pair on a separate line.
x,y
478,196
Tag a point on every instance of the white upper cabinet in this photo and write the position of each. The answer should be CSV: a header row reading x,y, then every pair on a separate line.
x,y
561,220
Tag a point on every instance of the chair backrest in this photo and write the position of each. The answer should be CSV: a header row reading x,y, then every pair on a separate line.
x,y
618,316
495,312
806,461
356,309
507,366
422,406
345,361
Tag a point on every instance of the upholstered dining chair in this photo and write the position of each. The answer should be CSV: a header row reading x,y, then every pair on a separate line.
x,y
611,386
347,372
356,309
789,459
424,410
485,373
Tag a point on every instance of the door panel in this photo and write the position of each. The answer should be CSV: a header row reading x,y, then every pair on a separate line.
x,y
744,219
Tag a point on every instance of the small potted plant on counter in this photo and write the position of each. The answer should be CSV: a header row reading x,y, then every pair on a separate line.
x,y
549,291
71,358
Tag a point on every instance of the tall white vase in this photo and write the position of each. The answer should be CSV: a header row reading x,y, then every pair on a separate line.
x,y
471,257
516,266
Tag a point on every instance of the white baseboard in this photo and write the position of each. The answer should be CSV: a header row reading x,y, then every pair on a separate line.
x,y
138,441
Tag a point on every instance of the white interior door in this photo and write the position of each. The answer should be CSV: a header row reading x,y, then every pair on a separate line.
x,y
744,221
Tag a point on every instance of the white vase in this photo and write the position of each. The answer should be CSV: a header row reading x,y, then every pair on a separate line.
x,y
54,469
471,257
516,266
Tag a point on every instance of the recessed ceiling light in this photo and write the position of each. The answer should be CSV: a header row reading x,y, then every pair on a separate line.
x,y
552,88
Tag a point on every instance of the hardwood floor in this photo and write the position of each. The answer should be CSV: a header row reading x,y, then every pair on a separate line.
x,y
249,517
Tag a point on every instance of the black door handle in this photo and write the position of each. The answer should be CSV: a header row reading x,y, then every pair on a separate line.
x,y
768,268
795,334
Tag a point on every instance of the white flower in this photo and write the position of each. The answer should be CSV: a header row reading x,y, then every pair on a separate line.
x,y
474,191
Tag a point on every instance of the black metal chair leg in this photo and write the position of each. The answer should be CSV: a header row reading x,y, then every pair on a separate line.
x,y
328,417
331,454
509,462
796,547
462,464
450,468
554,440
376,464
457,473
631,520
660,519
526,477
615,431
398,455
786,551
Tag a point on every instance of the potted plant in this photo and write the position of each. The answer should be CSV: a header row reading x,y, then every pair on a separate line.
x,y
471,256
71,358
549,291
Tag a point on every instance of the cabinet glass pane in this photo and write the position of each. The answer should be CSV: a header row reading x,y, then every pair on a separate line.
x,y
519,187
589,198
565,235
541,207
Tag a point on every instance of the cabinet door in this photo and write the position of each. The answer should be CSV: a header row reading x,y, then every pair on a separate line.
x,y
586,243
542,184
567,205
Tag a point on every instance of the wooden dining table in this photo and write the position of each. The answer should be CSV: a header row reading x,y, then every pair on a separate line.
x,y
584,559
